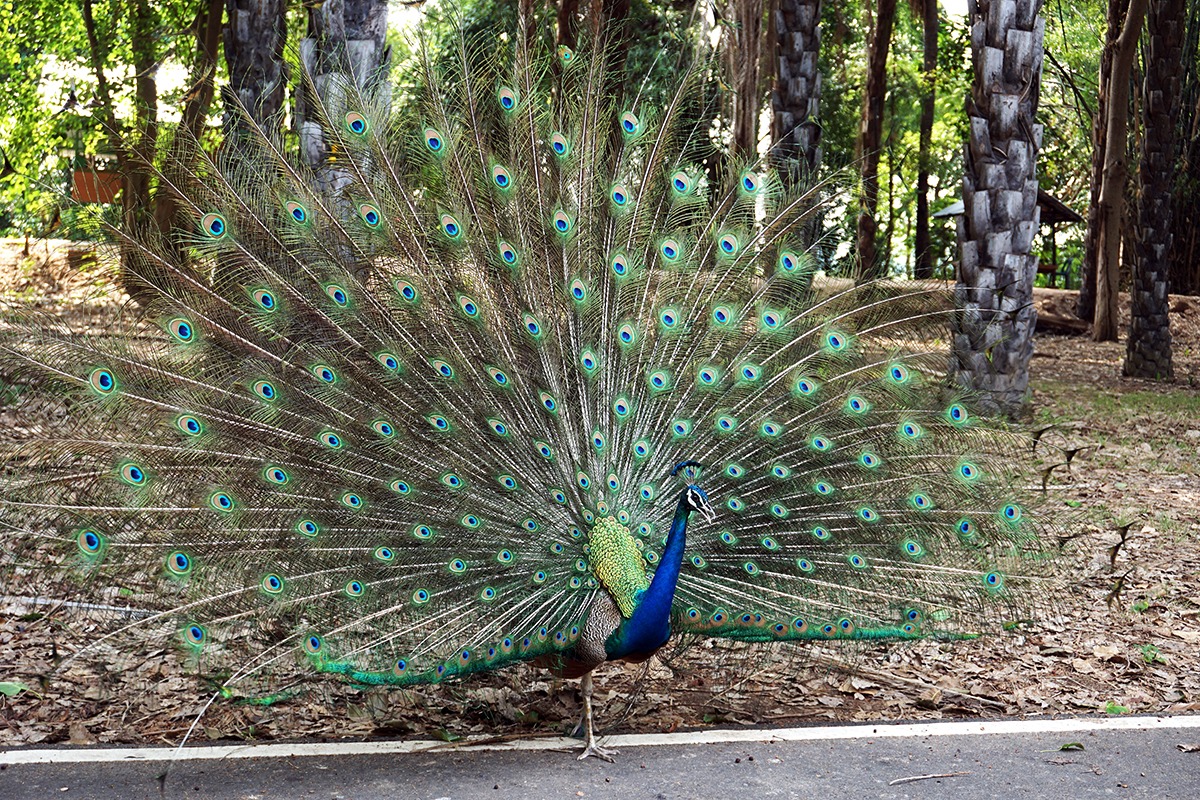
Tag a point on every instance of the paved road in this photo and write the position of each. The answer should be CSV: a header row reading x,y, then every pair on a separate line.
x,y
1114,763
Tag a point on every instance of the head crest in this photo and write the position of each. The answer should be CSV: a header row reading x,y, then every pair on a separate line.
x,y
690,469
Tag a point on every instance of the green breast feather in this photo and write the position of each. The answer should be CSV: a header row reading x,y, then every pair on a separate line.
x,y
618,563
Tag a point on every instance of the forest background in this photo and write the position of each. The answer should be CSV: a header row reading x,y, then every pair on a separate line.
x,y
871,95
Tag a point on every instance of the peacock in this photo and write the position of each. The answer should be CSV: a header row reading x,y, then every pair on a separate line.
x,y
537,382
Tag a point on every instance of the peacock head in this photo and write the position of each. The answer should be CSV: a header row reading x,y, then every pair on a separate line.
x,y
697,498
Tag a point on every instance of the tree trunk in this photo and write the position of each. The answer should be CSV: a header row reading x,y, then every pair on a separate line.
x,y
744,35
527,24
196,105
199,98
254,44
136,196
135,154
1112,189
568,19
1148,349
993,338
796,94
1185,251
924,242
869,134
1086,308
608,19
608,27
889,145
344,54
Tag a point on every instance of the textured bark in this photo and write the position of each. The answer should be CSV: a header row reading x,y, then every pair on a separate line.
x,y
796,93
869,134
1116,172
345,55
254,42
1086,308
993,338
1148,349
923,267
743,41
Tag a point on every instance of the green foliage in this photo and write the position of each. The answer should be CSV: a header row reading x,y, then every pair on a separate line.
x,y
647,58
1067,103
52,113
36,35
843,62
1068,98
1151,654
46,64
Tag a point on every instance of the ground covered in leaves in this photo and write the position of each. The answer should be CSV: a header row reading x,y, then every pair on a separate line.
x,y
1125,638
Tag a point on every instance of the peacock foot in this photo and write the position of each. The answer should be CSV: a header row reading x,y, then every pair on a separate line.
x,y
603,753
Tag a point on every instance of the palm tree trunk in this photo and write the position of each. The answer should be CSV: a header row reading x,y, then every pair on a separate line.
x,y
1185,251
1148,350
993,339
254,43
796,94
345,48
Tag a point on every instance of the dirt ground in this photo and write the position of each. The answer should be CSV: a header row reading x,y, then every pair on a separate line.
x,y
1124,638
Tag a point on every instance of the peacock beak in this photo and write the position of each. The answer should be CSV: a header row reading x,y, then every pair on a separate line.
x,y
709,513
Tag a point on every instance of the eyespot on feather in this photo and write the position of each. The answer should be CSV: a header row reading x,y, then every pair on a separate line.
x,y
357,124
214,225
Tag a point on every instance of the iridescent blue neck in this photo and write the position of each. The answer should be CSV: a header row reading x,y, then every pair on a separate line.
x,y
650,626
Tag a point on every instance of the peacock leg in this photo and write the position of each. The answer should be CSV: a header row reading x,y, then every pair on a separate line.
x,y
590,747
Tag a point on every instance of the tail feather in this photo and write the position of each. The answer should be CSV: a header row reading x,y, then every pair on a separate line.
x,y
367,433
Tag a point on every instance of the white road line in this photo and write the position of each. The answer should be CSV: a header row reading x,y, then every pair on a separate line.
x,y
74,755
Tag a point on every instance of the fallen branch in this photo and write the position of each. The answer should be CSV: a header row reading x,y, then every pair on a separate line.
x,y
913,778
1061,325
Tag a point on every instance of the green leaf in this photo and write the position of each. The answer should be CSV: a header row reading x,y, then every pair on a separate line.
x,y
1113,708
446,735
1151,654
12,688
1073,746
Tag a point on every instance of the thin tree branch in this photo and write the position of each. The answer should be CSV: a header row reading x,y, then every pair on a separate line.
x,y
1079,98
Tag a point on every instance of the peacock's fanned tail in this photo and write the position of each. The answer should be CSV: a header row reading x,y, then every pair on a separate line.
x,y
369,434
